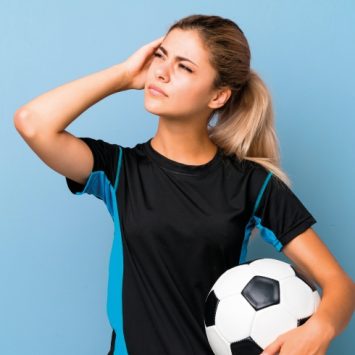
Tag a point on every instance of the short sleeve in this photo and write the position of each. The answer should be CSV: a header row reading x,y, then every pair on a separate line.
x,y
279,214
103,178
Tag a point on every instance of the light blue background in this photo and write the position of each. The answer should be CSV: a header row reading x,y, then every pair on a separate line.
x,y
54,246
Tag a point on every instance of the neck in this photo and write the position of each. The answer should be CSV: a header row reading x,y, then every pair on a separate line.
x,y
188,146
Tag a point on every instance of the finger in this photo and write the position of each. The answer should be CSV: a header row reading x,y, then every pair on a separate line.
x,y
152,46
272,349
156,42
160,39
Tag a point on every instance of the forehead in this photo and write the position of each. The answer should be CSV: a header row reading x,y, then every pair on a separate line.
x,y
186,43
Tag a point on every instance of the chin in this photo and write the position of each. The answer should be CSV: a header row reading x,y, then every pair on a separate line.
x,y
153,109
153,106
157,107
158,111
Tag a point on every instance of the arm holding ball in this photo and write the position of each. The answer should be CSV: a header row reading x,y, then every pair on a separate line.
x,y
337,305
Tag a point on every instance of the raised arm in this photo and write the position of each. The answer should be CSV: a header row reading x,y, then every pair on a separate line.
x,y
42,121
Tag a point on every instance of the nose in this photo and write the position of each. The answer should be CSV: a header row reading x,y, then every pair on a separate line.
x,y
161,72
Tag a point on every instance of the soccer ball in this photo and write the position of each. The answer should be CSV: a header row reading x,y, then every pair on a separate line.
x,y
253,303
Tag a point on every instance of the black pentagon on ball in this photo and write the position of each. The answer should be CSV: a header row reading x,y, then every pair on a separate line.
x,y
245,346
262,292
304,278
210,309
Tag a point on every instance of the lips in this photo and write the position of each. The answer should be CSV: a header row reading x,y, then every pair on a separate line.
x,y
156,88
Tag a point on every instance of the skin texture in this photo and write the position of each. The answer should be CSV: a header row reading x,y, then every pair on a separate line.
x,y
182,130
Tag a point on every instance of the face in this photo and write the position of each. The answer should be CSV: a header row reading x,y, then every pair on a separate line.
x,y
186,82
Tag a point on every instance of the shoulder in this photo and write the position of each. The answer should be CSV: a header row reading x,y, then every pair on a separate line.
x,y
246,167
249,175
134,151
134,156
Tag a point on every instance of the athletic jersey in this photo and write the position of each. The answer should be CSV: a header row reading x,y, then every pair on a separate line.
x,y
177,229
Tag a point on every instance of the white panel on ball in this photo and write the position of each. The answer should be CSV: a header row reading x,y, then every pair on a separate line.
x,y
263,332
273,268
235,317
297,297
232,281
218,344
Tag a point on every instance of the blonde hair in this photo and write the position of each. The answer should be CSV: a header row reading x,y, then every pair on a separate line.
x,y
245,123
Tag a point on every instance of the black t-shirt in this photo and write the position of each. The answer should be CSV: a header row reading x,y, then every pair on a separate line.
x,y
177,228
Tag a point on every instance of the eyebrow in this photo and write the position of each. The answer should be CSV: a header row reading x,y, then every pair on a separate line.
x,y
177,57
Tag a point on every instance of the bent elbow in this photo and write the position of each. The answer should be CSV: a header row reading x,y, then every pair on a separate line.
x,y
22,122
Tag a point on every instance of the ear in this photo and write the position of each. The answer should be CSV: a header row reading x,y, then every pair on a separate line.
x,y
220,97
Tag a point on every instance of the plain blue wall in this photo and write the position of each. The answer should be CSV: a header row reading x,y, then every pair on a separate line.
x,y
54,246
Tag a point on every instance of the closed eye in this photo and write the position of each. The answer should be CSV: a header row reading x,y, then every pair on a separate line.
x,y
156,54
188,69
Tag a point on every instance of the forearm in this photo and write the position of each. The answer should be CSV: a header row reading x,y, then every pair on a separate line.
x,y
57,108
337,305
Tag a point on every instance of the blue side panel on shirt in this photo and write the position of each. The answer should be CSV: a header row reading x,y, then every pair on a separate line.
x,y
248,229
115,284
99,185
254,221
268,235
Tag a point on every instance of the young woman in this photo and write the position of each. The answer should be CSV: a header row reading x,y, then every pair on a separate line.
x,y
184,203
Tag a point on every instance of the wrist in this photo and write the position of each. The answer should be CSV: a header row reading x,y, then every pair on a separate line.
x,y
323,326
121,75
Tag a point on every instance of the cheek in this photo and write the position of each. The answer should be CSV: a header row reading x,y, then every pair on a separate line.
x,y
190,101
193,92
189,87
185,98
